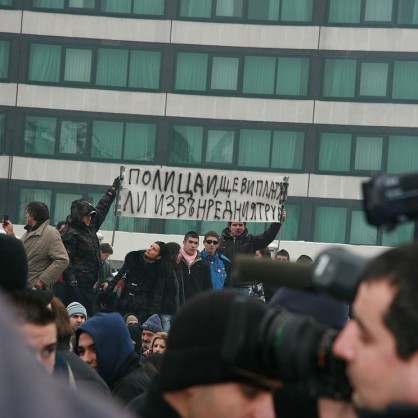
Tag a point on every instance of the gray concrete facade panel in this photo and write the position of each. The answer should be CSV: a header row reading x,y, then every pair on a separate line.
x,y
366,114
369,39
235,108
91,100
8,94
336,187
96,27
10,21
246,36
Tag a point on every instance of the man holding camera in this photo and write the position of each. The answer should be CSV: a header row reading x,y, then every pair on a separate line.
x,y
210,374
380,343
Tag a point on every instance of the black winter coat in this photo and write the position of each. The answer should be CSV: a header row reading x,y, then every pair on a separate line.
x,y
196,278
130,380
81,241
144,286
247,243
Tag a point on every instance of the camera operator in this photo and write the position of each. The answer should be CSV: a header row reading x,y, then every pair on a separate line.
x,y
380,343
205,373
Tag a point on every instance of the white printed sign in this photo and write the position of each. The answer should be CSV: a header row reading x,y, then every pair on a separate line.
x,y
201,194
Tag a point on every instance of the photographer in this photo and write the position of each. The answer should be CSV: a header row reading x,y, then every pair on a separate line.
x,y
380,343
204,373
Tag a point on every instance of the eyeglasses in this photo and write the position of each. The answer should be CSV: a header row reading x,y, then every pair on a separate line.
x,y
209,241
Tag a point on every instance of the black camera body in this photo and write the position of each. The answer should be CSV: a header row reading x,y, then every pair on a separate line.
x,y
285,346
295,348
391,199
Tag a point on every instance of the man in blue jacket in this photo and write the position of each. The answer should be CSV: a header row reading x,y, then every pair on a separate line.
x,y
220,265
105,344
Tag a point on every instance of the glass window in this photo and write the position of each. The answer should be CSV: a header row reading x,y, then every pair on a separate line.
x,y
374,79
144,69
149,7
401,234
259,75
77,65
4,59
187,144
378,11
291,232
229,8
408,12
40,133
343,11
107,140
140,141
297,10
368,153
330,224
73,137
292,76
361,232
254,148
405,80
6,2
339,77
402,154
191,71
112,67
179,227
334,152
129,224
49,4
220,146
287,150
44,63
224,73
82,4
62,207
263,9
116,6
30,195
196,8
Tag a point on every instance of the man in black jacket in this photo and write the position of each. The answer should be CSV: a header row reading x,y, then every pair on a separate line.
x,y
83,247
105,344
206,370
196,271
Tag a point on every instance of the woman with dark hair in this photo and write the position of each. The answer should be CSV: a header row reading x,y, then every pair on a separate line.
x,y
173,296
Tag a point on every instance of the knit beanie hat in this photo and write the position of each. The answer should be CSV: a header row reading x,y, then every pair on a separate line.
x,y
153,324
131,318
200,336
14,265
163,249
76,308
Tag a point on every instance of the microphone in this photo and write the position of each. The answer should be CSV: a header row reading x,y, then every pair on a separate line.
x,y
336,272
274,273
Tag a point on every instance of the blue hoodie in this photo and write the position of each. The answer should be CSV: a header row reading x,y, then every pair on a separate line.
x,y
112,339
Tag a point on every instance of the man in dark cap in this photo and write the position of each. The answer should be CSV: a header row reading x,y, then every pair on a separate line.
x,y
206,371
80,239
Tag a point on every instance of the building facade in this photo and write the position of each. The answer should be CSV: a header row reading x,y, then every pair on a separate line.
x,y
323,91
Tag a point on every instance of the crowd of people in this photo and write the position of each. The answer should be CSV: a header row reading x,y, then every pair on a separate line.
x,y
175,334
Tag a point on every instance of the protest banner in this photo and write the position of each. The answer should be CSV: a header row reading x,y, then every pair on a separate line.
x,y
201,194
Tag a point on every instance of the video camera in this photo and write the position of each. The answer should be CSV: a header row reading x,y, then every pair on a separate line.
x,y
296,347
391,199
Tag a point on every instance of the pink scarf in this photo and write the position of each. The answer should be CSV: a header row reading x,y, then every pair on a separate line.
x,y
188,258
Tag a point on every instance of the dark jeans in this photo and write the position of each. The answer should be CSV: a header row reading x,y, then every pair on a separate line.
x,y
83,295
